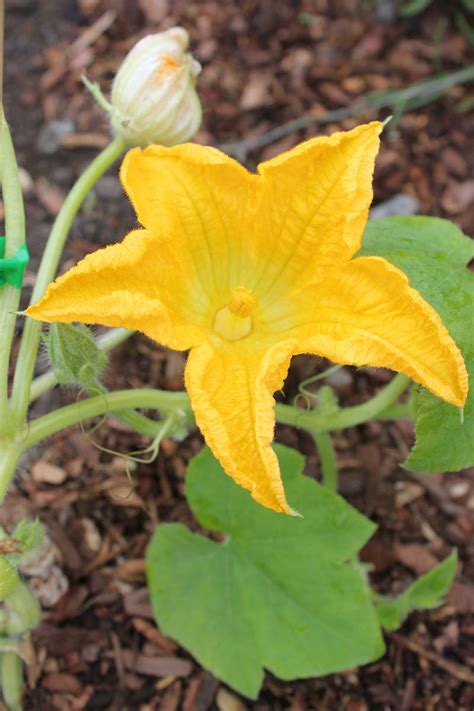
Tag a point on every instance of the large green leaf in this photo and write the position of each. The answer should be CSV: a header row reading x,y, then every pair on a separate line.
x,y
278,592
434,253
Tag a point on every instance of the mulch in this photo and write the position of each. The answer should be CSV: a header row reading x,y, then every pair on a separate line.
x,y
264,62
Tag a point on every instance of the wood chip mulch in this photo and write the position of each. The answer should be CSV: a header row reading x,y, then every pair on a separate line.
x,y
264,62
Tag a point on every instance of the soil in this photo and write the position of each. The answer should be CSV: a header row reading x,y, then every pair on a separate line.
x,y
264,63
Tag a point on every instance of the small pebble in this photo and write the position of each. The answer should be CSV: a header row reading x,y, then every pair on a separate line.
x,y
48,140
401,204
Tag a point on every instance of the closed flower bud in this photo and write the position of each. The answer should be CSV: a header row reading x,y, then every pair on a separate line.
x,y
153,95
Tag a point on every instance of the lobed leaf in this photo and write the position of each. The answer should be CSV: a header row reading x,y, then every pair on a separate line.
x,y
434,254
279,592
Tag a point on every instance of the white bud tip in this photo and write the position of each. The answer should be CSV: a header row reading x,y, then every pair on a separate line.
x,y
179,35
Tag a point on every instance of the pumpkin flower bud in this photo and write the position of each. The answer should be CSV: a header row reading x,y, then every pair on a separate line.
x,y
153,96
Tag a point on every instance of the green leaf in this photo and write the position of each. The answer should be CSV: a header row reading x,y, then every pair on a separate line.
x,y
424,594
278,592
74,355
434,253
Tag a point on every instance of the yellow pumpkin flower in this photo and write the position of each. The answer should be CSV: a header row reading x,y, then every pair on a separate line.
x,y
247,270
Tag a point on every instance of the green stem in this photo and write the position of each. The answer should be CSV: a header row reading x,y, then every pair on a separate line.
x,y
138,422
150,428
141,424
10,452
167,402
109,340
15,238
328,459
348,416
47,425
49,263
12,680
398,411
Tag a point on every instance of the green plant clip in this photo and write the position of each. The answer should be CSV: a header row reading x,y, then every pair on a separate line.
x,y
12,270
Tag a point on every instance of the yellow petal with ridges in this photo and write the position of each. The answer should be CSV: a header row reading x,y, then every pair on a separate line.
x,y
139,284
315,202
206,200
231,390
369,315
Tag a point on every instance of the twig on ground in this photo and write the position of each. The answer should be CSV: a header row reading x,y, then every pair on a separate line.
x,y
397,99
436,493
92,33
457,670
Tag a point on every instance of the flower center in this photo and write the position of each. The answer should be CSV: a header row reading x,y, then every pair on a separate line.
x,y
169,64
234,320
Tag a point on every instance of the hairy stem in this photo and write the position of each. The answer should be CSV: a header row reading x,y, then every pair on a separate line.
x,y
49,263
381,406
167,402
15,238
138,422
47,425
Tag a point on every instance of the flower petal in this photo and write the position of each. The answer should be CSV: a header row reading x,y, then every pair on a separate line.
x,y
138,284
369,315
231,390
315,202
206,200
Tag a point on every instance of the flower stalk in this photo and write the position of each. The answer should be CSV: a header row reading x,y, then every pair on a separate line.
x,y
49,264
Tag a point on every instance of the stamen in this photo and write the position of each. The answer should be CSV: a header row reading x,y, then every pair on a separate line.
x,y
234,321
241,302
